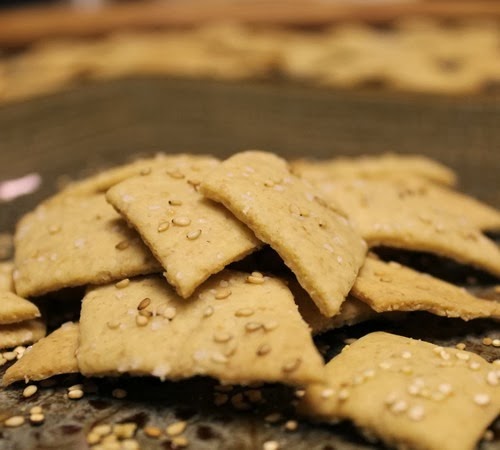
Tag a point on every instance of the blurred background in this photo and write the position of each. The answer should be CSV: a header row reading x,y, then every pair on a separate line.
x,y
88,83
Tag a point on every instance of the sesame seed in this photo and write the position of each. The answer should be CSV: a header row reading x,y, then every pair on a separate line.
x,y
291,365
93,438
144,303
253,326
124,430
222,336
406,355
462,356
474,365
492,378
460,346
122,245
399,406
263,349
218,358
170,312
343,394
445,388
416,413
269,183
75,386
181,221
152,432
163,226
482,399
252,279
36,410
407,370
209,310
102,430
10,356
29,390
14,421
141,320
176,428
175,202
53,229
299,393
75,394
113,324
271,325
180,441
273,417
327,393
444,355
192,235
145,171
487,341
291,425
496,342
222,293
271,445
176,173
244,312
119,393
385,365
146,313
123,283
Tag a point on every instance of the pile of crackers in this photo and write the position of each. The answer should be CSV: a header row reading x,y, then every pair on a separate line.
x,y
171,249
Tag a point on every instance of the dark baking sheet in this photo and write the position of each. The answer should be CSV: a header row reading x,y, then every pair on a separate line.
x,y
98,125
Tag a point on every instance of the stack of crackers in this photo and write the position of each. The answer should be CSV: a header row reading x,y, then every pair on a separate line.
x,y
168,249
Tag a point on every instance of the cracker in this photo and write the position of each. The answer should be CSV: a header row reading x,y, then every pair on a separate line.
x,y
386,215
102,181
15,309
409,393
21,333
74,242
352,311
233,330
191,236
379,166
393,287
284,211
52,355
6,281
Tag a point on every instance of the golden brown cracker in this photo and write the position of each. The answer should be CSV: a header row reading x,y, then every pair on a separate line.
x,y
409,392
285,212
386,215
73,242
393,287
378,166
233,329
15,309
191,236
52,355
6,280
21,333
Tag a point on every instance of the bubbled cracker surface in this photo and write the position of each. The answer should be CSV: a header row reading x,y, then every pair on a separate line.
x,y
221,338
52,355
73,242
393,287
15,309
409,392
390,214
379,166
285,212
191,236
21,333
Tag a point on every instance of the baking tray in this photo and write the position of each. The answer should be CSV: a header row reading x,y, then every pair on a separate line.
x,y
75,132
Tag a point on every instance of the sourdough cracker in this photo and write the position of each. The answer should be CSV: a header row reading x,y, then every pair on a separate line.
x,y
21,333
52,355
284,211
393,287
191,236
409,392
387,216
73,242
379,166
6,280
232,329
14,309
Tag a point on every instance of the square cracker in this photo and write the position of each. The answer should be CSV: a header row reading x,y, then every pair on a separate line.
x,y
21,333
385,214
15,309
315,242
409,393
6,280
379,166
393,287
105,179
208,240
52,355
232,330
74,242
